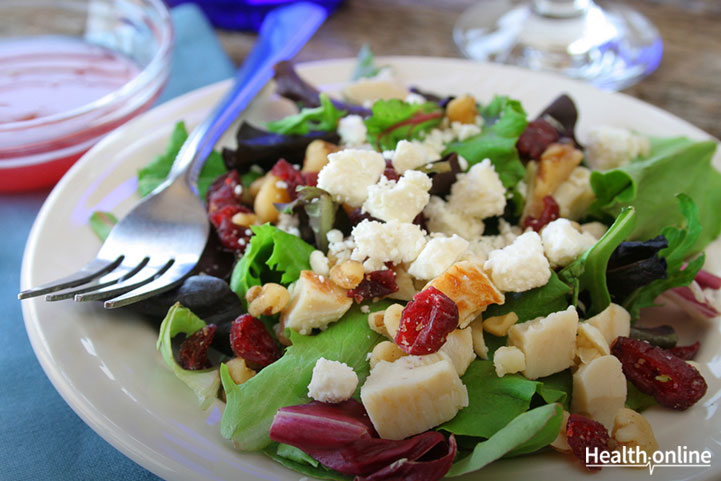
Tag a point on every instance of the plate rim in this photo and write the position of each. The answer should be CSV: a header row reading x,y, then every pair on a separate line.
x,y
87,412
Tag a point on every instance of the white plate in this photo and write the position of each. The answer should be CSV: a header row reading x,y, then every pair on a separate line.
x,y
105,365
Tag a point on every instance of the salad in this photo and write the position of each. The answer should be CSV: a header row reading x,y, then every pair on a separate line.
x,y
411,286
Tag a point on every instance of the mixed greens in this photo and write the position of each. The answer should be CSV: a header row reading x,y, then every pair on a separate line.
x,y
656,213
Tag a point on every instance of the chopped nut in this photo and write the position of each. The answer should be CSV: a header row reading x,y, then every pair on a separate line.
x,y
244,219
271,300
500,325
255,186
385,351
347,274
462,109
631,429
239,371
316,155
392,319
268,195
544,177
479,343
252,293
375,322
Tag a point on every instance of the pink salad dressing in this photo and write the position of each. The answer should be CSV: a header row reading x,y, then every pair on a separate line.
x,y
44,76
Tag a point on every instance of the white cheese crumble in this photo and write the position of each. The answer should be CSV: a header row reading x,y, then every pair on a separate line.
x,y
563,243
520,266
332,381
480,248
287,223
440,218
408,156
401,201
610,147
348,174
352,130
319,263
437,256
414,98
377,243
464,131
338,247
479,192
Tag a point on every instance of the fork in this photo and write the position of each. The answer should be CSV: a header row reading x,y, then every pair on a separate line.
x,y
159,242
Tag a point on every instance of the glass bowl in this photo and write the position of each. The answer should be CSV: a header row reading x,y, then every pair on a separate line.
x,y
36,151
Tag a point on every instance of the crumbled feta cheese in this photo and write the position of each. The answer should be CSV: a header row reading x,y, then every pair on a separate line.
x,y
440,218
352,130
414,98
520,266
365,309
401,201
464,131
334,235
575,195
348,174
481,247
338,247
332,381
462,163
435,141
287,223
408,156
393,241
319,263
611,147
479,192
437,256
563,243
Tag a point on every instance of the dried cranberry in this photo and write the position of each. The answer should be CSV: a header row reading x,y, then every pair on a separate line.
x,y
288,174
193,353
586,435
250,340
551,212
374,284
223,204
390,171
669,379
426,321
686,352
539,134
356,216
310,178
225,190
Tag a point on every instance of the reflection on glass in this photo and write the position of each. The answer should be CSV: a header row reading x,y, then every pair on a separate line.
x,y
612,46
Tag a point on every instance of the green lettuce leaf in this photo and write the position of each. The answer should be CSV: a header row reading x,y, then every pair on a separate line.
x,y
650,185
365,64
153,174
394,120
251,406
637,400
302,464
324,117
102,223
272,255
588,272
681,242
526,433
504,121
495,401
204,383
537,302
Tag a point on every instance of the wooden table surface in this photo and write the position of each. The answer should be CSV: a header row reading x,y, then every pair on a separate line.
x,y
687,83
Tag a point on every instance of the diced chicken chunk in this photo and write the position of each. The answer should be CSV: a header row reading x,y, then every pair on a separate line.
x,y
315,302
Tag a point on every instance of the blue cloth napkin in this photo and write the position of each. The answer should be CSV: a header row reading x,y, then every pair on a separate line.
x,y
41,438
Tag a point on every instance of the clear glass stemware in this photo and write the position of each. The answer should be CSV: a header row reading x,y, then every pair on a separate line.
x,y
611,46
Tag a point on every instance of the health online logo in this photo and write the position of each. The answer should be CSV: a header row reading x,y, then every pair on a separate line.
x,y
635,457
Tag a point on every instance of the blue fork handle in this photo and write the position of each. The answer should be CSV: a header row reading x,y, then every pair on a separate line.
x,y
283,33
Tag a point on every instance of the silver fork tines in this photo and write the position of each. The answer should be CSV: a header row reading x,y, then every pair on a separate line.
x,y
159,242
